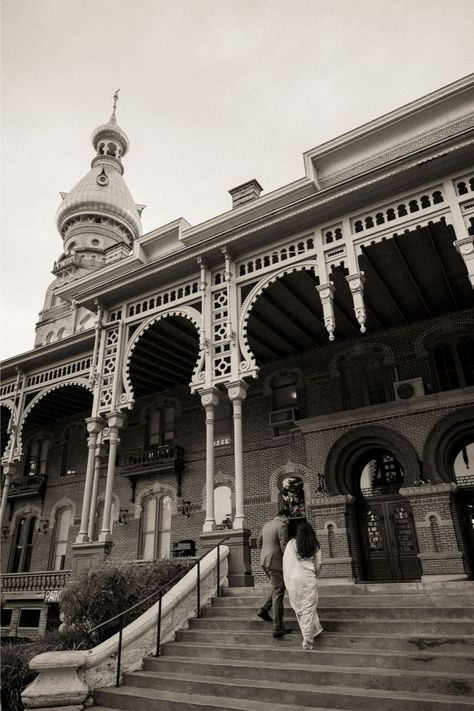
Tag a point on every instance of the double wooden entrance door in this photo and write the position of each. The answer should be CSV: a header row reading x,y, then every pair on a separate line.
x,y
388,540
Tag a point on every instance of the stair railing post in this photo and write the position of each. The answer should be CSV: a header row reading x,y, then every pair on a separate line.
x,y
119,653
158,626
198,589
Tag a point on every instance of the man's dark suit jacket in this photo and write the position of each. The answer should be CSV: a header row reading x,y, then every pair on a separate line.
x,y
272,540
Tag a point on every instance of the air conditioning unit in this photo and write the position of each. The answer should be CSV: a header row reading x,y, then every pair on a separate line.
x,y
283,417
408,389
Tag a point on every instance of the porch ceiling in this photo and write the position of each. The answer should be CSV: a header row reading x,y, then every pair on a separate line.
x,y
164,356
411,277
63,402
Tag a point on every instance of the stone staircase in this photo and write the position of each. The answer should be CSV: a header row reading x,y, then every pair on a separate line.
x,y
399,647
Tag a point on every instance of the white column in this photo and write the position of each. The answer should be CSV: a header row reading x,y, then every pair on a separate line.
x,y
95,489
94,426
237,393
8,470
115,421
209,399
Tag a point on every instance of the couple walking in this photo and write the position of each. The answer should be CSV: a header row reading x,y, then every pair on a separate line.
x,y
294,564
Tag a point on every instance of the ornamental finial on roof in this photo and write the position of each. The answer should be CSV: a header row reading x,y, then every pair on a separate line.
x,y
112,118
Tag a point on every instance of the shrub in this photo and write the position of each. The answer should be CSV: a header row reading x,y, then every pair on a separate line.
x,y
16,674
97,595
101,593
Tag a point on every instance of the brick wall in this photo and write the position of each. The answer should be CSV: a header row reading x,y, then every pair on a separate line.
x,y
263,455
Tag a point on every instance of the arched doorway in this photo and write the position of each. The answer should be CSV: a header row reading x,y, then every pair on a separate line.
x,y
463,474
387,535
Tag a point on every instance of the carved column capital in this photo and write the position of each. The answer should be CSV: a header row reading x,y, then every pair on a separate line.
x,y
94,425
209,397
115,421
237,390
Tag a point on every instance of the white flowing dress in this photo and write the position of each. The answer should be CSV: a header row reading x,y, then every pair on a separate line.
x,y
300,581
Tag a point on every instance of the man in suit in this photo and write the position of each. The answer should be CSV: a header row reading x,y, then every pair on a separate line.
x,y
272,542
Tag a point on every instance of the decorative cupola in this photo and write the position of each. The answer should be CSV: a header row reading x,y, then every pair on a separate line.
x,y
99,220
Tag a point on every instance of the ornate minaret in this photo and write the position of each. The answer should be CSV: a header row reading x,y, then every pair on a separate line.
x,y
98,222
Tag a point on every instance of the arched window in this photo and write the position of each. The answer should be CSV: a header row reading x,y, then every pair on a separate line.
x,y
60,538
23,544
160,427
223,505
453,361
36,457
364,380
155,528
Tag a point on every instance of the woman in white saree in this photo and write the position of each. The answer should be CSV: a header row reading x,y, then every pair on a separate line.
x,y
301,565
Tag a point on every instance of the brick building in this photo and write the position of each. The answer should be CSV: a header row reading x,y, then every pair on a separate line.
x,y
313,345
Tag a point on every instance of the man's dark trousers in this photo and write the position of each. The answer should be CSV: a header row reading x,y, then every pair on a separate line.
x,y
275,601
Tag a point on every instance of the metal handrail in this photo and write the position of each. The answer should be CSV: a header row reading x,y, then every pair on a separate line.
x,y
159,592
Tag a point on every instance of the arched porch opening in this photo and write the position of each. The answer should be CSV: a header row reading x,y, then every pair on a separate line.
x,y
162,360
41,439
4,422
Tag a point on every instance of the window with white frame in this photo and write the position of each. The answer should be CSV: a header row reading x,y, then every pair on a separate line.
x,y
60,537
36,456
453,361
160,427
22,548
155,527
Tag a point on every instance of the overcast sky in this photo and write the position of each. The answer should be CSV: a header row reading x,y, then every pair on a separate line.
x,y
212,93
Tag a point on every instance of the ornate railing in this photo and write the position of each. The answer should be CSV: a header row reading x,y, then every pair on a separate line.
x,y
35,582
28,485
166,456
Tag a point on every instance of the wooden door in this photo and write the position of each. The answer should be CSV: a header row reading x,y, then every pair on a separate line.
x,y
388,540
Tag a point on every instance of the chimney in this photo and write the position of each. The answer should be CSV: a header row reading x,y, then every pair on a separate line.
x,y
247,192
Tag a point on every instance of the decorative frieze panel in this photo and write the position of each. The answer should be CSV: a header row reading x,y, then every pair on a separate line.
x,y
115,315
464,185
7,389
399,211
108,368
59,373
332,234
221,332
163,298
265,260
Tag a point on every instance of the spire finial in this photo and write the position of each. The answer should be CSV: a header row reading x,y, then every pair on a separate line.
x,y
115,103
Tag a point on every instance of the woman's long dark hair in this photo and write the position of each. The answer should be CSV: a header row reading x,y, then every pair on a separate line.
x,y
306,542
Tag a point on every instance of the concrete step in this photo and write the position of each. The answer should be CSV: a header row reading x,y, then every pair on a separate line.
x,y
348,625
355,601
432,682
366,640
465,614
444,588
130,698
421,661
309,695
